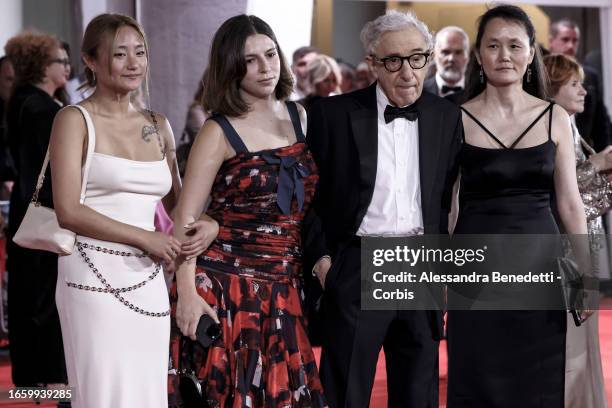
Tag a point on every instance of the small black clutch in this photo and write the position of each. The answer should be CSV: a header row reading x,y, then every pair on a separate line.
x,y
190,387
572,288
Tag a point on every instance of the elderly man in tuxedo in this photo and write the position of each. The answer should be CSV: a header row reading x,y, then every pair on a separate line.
x,y
387,159
451,56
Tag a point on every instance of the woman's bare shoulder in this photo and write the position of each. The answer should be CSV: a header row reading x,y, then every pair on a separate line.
x,y
70,116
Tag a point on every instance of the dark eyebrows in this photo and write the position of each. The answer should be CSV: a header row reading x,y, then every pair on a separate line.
x,y
513,39
267,51
412,51
124,47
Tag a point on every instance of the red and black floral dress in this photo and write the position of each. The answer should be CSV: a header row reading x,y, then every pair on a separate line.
x,y
251,274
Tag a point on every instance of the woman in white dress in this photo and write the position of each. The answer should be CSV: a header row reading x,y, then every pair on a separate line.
x,y
111,296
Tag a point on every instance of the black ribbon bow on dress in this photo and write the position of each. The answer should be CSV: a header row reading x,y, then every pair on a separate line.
x,y
407,112
289,183
453,89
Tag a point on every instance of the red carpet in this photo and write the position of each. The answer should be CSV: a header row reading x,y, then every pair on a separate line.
x,y
379,396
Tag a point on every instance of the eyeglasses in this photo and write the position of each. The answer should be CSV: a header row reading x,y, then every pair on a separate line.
x,y
395,63
64,61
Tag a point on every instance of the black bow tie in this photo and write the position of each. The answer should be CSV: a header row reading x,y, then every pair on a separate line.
x,y
408,112
453,89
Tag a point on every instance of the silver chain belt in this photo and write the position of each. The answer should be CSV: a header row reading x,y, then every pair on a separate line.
x,y
116,292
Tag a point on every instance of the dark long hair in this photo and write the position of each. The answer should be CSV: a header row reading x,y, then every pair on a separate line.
x,y
106,26
227,66
537,85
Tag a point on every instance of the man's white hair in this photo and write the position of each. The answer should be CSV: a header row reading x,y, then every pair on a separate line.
x,y
392,20
458,30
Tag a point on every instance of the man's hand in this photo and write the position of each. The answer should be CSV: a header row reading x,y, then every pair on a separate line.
x,y
321,268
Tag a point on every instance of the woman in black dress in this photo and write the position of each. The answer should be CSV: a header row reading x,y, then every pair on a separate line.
x,y
35,340
517,150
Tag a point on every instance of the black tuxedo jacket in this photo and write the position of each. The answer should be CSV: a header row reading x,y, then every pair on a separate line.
x,y
430,85
342,135
458,98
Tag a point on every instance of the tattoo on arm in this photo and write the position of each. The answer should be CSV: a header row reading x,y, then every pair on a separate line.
x,y
147,131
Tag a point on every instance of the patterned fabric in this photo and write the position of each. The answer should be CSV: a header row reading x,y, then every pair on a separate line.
x,y
251,274
594,187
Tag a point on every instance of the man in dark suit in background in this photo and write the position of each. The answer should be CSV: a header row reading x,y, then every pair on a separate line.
x,y
387,159
593,123
7,170
451,55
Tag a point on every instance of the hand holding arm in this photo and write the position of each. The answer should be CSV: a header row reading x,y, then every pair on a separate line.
x,y
209,151
200,234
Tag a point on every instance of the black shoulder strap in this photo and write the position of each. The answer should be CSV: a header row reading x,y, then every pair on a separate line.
x,y
231,134
518,139
482,127
295,120
550,121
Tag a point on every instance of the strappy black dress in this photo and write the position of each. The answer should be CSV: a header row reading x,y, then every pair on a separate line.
x,y
252,275
506,358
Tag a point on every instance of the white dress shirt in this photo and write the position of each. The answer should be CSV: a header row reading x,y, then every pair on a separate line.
x,y
441,82
395,209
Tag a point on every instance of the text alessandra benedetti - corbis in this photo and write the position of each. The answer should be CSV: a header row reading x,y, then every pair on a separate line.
x,y
493,277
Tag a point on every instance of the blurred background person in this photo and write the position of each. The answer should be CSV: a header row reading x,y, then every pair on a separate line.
x,y
35,338
584,386
7,170
594,122
451,55
593,60
7,78
301,58
195,120
364,76
348,77
324,79
564,37
61,95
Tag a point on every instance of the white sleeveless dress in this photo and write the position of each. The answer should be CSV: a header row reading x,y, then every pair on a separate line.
x,y
115,356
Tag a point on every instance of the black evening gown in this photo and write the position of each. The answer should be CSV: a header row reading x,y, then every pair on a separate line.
x,y
506,358
35,337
